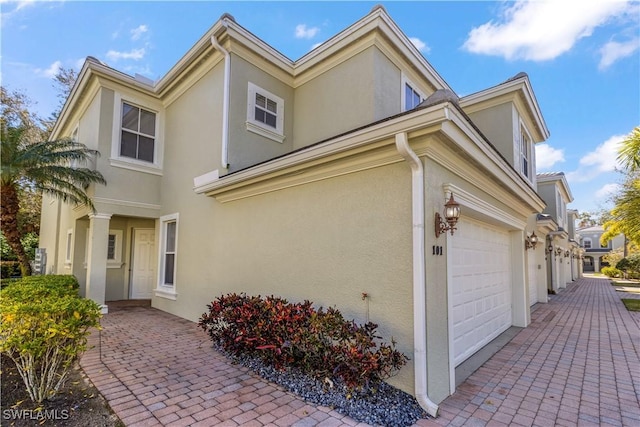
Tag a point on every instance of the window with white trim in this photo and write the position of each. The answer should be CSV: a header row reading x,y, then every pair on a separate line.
x,y
265,113
411,96
137,133
525,154
114,249
168,251
586,243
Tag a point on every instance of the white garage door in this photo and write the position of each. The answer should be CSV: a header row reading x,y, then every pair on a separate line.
x,y
533,277
481,288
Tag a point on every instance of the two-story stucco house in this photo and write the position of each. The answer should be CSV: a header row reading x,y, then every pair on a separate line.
x,y
561,247
241,170
594,251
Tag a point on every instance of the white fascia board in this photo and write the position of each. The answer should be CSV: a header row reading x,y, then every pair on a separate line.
x,y
90,70
78,87
503,168
424,118
376,19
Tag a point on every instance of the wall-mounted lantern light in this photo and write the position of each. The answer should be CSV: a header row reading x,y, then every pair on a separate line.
x,y
550,248
559,251
531,241
451,215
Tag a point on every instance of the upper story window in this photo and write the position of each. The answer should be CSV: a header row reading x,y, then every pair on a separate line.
x,y
265,113
411,96
525,154
137,142
586,243
137,139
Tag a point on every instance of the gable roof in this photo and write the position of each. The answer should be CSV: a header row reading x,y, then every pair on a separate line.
x,y
226,28
554,178
518,85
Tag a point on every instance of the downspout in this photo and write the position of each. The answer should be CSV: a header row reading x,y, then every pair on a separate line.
x,y
419,281
225,99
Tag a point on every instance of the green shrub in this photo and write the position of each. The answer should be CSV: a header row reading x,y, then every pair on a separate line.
x,y
9,269
318,342
43,329
611,272
41,287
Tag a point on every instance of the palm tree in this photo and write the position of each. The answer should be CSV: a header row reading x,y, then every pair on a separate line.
x,y
46,167
629,153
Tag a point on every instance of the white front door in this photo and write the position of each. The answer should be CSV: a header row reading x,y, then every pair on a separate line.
x,y
481,288
143,273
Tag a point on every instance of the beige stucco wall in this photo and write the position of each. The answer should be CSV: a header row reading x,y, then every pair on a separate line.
x,y
328,242
248,148
359,91
497,124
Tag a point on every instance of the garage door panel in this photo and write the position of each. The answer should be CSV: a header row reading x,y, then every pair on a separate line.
x,y
481,287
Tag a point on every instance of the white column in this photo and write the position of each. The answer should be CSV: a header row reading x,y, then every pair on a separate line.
x,y
97,258
521,315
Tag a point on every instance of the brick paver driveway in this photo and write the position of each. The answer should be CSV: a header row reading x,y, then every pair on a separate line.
x,y
576,364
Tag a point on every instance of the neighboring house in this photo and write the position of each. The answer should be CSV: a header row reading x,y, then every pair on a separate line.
x,y
562,251
243,171
594,252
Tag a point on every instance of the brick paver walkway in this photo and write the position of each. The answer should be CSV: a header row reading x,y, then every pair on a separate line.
x,y
576,364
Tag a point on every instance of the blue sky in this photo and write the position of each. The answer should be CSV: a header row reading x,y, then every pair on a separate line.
x,y
582,57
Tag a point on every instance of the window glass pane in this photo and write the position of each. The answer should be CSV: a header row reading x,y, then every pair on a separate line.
x,y
111,247
169,261
408,91
416,99
130,117
272,106
145,149
171,237
270,119
128,145
261,100
147,123
260,115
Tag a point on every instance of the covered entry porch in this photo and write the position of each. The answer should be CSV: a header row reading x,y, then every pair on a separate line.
x,y
115,257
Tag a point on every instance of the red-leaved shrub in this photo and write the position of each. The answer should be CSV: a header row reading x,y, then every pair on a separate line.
x,y
318,342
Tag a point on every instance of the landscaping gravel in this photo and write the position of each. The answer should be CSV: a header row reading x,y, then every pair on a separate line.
x,y
383,405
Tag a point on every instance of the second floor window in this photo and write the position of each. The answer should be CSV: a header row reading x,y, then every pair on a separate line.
x,y
525,153
265,113
587,243
137,139
411,97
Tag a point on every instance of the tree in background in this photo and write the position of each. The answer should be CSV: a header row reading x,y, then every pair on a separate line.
x,y
33,165
624,218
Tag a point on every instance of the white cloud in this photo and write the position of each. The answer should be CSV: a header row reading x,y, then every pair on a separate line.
x,y
135,54
601,160
315,45
541,30
51,71
607,190
136,33
613,51
547,156
420,45
302,32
